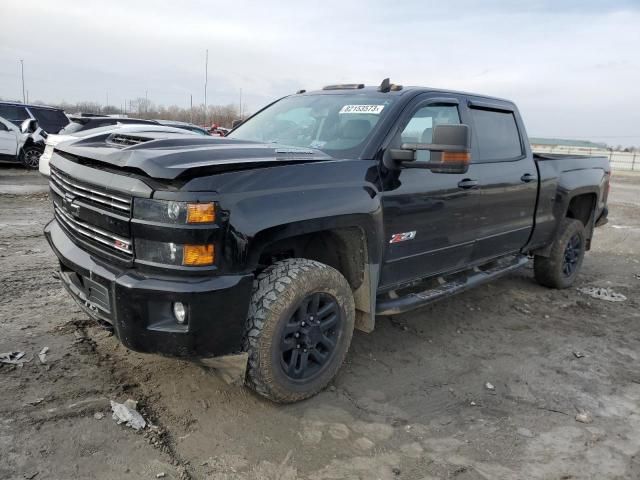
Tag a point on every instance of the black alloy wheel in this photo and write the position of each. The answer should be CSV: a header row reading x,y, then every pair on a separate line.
x,y
572,254
299,328
559,268
309,337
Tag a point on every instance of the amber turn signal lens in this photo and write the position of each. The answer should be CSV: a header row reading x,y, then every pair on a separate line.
x,y
456,157
201,213
198,255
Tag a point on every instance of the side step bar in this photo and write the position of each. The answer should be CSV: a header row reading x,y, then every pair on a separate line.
x,y
446,288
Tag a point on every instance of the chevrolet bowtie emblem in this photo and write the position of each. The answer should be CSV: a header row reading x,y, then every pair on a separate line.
x,y
70,206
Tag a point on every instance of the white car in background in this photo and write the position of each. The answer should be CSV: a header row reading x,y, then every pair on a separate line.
x,y
54,140
11,141
21,144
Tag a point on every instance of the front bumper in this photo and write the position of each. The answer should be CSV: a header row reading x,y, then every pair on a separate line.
x,y
139,306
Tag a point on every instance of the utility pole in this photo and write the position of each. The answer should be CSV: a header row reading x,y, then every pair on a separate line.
x,y
191,108
107,99
24,98
206,80
146,102
240,104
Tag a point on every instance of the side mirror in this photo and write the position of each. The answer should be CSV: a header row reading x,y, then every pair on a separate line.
x,y
450,151
236,123
30,125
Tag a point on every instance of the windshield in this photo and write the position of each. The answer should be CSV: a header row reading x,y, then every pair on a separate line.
x,y
339,125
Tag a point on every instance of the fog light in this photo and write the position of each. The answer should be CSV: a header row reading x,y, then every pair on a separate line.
x,y
180,312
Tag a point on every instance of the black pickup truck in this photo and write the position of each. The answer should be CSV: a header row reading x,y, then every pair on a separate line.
x,y
318,213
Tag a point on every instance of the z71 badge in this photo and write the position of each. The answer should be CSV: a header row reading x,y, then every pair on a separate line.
x,y
402,237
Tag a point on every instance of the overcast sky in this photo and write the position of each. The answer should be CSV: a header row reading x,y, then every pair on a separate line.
x,y
573,67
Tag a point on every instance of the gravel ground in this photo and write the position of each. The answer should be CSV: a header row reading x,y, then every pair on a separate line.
x,y
411,402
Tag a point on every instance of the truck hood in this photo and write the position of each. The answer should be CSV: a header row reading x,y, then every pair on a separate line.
x,y
182,156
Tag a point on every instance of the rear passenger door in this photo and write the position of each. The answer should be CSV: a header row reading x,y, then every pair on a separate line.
x,y
507,175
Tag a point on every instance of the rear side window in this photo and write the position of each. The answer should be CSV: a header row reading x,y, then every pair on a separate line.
x,y
13,113
497,135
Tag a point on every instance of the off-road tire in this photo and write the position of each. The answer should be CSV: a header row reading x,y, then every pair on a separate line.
x,y
277,293
28,155
548,271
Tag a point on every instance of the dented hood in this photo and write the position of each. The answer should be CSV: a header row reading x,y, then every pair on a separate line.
x,y
170,157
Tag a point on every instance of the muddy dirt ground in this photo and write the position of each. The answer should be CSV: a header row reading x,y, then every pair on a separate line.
x,y
410,403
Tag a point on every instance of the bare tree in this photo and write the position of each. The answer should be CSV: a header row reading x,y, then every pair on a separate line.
x,y
221,115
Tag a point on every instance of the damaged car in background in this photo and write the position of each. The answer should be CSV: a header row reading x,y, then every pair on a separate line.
x,y
22,144
316,214
32,124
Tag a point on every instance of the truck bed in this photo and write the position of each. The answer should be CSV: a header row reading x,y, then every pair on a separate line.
x,y
541,157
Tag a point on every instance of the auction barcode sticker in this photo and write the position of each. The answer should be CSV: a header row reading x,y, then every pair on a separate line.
x,y
374,109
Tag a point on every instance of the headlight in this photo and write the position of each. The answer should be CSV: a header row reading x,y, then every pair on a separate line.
x,y
164,211
174,253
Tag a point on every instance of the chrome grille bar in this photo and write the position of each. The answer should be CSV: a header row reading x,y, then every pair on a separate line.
x,y
83,229
70,186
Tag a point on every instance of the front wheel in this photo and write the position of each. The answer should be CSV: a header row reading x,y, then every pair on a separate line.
x,y
299,329
561,267
30,157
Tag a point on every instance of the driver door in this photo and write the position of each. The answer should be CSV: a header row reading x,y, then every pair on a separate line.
x,y
429,218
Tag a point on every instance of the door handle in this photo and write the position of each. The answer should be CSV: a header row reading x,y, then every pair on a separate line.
x,y
468,183
528,177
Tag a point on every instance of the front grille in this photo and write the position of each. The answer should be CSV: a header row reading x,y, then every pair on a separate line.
x,y
91,215
90,232
91,193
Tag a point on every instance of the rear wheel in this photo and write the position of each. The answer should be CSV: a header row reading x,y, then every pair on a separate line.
x,y
298,330
30,157
561,267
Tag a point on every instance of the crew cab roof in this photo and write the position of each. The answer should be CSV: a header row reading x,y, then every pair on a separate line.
x,y
404,90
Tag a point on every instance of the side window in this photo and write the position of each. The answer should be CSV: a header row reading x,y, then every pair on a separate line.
x,y
13,113
419,129
3,127
497,135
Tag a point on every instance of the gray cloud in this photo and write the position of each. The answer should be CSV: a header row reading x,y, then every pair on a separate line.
x,y
572,66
